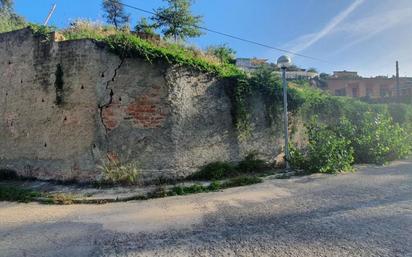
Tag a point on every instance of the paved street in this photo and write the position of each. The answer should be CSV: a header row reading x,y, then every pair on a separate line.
x,y
368,213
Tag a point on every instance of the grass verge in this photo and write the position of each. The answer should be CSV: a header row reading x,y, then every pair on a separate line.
x,y
214,186
17,194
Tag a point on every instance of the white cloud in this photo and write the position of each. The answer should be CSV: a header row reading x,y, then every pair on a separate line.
x,y
305,41
363,29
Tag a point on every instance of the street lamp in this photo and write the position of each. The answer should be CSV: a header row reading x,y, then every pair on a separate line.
x,y
284,62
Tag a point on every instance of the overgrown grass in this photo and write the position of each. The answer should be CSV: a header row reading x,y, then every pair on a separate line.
x,y
85,29
16,194
215,186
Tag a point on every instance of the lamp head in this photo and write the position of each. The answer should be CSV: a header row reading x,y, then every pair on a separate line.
x,y
284,61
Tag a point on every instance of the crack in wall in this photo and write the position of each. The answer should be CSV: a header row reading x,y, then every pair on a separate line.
x,y
106,105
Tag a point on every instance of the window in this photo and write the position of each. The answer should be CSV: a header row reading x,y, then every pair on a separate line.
x,y
385,92
340,92
369,91
355,91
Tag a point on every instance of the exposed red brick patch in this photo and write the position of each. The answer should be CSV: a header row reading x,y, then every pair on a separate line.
x,y
148,111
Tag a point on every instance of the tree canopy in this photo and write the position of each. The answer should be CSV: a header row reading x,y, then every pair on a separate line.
x,y
8,19
223,52
114,13
177,21
6,4
144,27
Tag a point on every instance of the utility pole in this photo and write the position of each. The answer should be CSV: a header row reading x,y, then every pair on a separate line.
x,y
284,62
398,93
53,8
285,116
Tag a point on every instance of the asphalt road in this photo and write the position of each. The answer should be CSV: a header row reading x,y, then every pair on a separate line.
x,y
368,213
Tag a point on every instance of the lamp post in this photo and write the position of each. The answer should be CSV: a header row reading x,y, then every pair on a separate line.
x,y
284,62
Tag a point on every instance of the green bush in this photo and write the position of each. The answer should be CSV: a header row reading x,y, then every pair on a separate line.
x,y
182,190
297,158
375,138
327,152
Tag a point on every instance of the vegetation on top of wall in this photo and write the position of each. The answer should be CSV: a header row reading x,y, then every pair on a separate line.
x,y
85,29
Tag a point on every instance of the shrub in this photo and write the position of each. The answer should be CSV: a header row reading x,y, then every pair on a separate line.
x,y
297,159
215,170
375,138
214,186
116,173
327,152
193,189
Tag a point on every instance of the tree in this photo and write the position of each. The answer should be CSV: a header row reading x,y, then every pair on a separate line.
x,y
115,13
223,52
6,5
143,26
176,20
313,70
9,20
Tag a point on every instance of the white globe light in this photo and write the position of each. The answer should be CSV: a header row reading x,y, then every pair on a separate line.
x,y
284,61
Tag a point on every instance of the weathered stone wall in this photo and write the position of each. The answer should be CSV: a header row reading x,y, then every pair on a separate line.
x,y
67,107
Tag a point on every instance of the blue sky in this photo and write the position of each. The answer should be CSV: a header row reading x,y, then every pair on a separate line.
x,y
363,35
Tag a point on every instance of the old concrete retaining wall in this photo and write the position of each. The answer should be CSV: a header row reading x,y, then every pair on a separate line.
x,y
67,107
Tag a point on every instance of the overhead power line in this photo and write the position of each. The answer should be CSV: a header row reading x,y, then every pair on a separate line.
x,y
232,36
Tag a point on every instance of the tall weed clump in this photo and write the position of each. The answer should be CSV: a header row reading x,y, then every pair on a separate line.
x,y
370,137
326,151
375,138
115,172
